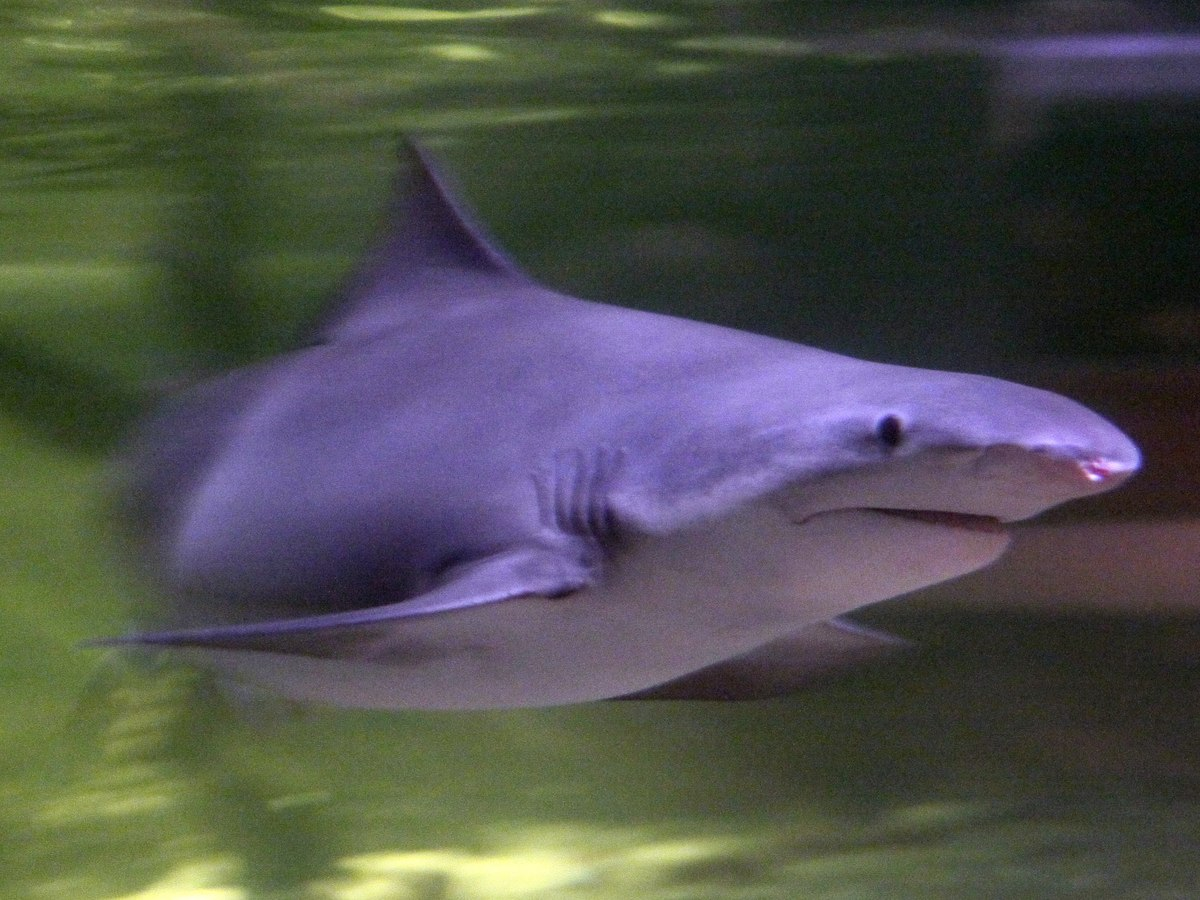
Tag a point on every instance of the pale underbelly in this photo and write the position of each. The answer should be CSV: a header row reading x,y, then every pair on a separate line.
x,y
664,608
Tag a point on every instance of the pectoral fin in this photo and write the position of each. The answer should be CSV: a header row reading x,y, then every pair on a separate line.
x,y
812,656
521,572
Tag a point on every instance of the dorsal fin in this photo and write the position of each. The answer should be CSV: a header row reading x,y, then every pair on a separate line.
x,y
426,229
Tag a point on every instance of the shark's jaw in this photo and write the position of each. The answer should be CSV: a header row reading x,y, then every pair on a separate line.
x,y
875,553
962,488
966,521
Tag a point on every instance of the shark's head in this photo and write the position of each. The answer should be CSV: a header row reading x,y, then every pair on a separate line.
x,y
968,445
822,432
892,478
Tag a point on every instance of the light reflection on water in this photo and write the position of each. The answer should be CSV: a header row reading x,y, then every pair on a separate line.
x,y
616,149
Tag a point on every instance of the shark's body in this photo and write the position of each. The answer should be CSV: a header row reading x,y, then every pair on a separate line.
x,y
476,492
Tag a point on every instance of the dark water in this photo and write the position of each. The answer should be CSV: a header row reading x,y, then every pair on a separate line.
x,y
182,184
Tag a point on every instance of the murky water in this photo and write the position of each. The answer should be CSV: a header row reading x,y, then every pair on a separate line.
x,y
183,184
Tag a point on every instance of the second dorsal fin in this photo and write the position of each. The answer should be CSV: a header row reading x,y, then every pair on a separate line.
x,y
427,230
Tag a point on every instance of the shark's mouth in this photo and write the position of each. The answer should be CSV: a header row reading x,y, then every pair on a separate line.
x,y
968,521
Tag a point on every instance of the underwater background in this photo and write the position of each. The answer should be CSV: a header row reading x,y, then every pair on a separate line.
x,y
1000,187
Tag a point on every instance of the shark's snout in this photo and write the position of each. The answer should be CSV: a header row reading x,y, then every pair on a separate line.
x,y
1086,449
1029,480
1099,472
1091,472
1100,454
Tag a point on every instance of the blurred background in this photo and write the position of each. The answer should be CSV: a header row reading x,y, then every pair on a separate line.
x,y
1008,188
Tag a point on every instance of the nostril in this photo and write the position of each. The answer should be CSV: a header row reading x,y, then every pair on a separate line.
x,y
1094,469
1098,469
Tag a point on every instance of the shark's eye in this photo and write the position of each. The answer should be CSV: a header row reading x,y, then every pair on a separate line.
x,y
889,431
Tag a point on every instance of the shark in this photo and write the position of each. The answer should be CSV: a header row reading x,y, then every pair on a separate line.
x,y
470,491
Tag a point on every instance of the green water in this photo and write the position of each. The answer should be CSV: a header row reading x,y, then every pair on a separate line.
x,y
183,184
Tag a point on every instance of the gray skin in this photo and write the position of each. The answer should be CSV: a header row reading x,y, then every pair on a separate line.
x,y
475,492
